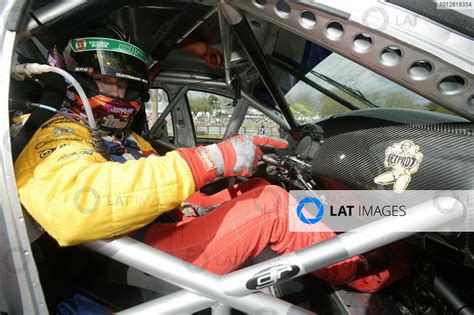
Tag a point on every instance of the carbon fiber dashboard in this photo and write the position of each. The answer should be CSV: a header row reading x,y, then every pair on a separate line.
x,y
354,148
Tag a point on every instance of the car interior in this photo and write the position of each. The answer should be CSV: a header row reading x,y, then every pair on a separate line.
x,y
338,88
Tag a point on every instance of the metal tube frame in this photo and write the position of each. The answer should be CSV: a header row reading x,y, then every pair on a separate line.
x,y
21,291
226,45
249,43
206,289
169,108
455,301
52,11
221,309
183,274
311,83
238,116
273,114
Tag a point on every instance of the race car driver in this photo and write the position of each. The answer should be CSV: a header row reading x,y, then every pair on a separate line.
x,y
77,195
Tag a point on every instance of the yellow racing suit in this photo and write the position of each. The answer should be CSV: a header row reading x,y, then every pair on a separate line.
x,y
76,195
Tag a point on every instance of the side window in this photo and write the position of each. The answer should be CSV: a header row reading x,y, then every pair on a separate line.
x,y
211,113
256,123
159,100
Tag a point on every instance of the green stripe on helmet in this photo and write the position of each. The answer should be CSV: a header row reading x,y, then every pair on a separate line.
x,y
79,45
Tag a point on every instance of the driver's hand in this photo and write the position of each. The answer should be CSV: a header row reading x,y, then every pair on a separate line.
x,y
239,155
236,156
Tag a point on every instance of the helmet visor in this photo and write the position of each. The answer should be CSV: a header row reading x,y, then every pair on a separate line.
x,y
108,57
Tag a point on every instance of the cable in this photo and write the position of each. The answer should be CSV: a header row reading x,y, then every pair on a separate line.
x,y
52,109
30,69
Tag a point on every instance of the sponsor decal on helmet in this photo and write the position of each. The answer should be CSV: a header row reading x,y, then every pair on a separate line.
x,y
404,160
130,77
80,45
110,121
107,44
84,69
121,110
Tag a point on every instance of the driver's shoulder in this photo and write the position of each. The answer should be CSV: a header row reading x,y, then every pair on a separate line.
x,y
58,132
144,145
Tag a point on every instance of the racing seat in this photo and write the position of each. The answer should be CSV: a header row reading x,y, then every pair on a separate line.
x,y
52,93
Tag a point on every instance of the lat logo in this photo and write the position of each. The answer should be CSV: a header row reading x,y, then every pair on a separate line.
x,y
404,160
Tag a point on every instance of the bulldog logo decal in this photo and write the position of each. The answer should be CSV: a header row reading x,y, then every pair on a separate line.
x,y
404,160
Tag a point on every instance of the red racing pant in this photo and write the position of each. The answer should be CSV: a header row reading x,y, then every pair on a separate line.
x,y
251,216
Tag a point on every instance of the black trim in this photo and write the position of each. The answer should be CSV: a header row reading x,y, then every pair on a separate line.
x,y
172,30
54,93
313,84
449,18
254,52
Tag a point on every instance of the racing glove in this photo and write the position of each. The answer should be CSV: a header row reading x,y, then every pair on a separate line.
x,y
192,210
236,156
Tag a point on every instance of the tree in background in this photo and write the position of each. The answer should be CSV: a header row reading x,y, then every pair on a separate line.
x,y
314,105
208,103
198,104
213,102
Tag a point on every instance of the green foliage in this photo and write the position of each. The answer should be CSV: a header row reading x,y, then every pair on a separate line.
x,y
310,103
314,105
301,109
213,100
208,103
439,109
398,99
329,107
199,104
